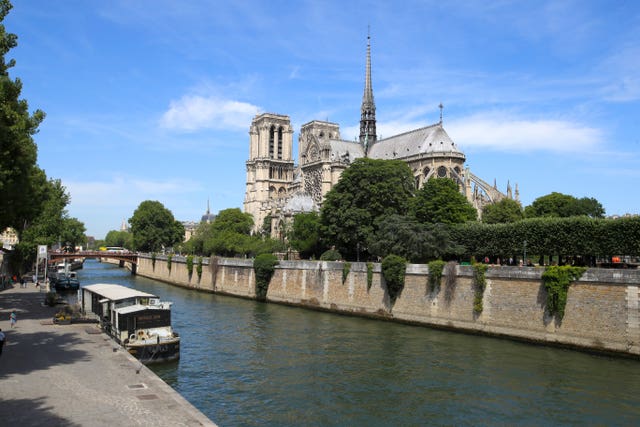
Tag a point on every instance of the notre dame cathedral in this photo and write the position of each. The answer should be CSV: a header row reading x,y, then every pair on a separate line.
x,y
278,188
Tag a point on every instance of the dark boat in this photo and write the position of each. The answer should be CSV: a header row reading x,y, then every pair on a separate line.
x,y
137,320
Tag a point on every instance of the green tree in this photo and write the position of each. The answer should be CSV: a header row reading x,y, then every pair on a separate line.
x,y
21,180
232,219
73,233
367,190
122,239
410,239
440,201
563,205
153,227
506,210
305,235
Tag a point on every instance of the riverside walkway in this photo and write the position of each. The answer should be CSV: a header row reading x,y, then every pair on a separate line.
x,y
74,375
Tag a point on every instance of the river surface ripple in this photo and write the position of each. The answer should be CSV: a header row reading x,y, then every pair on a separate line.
x,y
245,363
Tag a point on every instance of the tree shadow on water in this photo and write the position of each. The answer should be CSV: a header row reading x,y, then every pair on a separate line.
x,y
30,412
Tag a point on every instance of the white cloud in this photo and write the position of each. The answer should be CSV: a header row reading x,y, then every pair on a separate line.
x,y
505,133
193,112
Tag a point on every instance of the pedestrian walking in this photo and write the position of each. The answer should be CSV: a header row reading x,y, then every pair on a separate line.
x,y
2,339
13,318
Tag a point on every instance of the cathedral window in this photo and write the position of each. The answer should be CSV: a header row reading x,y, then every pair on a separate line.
x,y
442,171
280,142
271,141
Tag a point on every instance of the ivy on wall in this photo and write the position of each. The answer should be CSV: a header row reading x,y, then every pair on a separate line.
x,y
199,268
393,271
153,261
369,275
480,283
190,265
435,274
264,266
556,281
169,257
346,267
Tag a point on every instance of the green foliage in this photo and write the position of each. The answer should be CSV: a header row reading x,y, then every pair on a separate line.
x,y
22,182
117,238
393,271
331,255
264,267
435,274
189,261
480,283
232,220
369,275
199,268
563,205
153,260
406,237
367,190
305,235
266,225
154,228
556,281
506,210
439,201
346,267
169,258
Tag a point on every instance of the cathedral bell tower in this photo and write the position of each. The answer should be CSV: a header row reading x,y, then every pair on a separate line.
x,y
368,109
270,165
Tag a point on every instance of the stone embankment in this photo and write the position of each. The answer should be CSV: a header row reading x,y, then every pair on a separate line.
x,y
602,312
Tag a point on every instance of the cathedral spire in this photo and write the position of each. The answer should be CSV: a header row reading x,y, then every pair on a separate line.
x,y
368,108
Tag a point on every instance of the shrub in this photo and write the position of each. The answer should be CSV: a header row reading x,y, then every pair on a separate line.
x,y
556,281
50,299
153,260
346,267
435,274
169,257
331,255
369,275
264,266
393,270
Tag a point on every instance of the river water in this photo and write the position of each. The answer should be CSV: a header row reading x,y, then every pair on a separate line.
x,y
245,363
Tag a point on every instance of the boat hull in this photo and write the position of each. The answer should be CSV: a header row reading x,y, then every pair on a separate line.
x,y
147,353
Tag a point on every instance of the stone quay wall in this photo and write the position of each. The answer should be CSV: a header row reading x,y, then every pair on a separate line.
x,y
602,312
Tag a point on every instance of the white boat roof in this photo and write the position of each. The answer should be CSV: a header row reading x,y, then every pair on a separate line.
x,y
116,292
138,307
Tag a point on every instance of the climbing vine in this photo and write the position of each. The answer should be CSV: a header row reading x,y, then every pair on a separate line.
x,y
346,267
153,260
199,268
480,283
369,275
556,281
393,271
435,274
169,257
264,267
190,265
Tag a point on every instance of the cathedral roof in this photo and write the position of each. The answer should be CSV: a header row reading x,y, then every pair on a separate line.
x,y
349,150
427,140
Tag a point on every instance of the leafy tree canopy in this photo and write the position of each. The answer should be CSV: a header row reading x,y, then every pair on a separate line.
x,y
234,220
21,180
367,190
564,205
506,210
305,235
410,239
153,227
440,201
122,239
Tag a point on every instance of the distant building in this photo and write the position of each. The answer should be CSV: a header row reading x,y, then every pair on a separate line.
x,y
190,227
277,188
9,238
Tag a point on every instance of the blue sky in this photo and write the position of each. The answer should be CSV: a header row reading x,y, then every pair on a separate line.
x,y
152,100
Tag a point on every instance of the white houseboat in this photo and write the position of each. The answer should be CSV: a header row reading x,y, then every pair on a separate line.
x,y
139,321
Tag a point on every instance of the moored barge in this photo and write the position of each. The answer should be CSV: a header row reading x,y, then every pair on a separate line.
x,y
137,320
